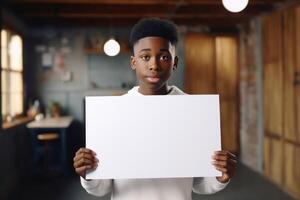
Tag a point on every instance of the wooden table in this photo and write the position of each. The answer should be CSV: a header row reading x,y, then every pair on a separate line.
x,y
59,125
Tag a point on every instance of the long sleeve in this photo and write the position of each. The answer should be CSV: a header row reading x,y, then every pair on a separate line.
x,y
97,187
207,185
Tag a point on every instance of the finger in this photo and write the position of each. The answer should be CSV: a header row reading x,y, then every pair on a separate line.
x,y
220,163
230,162
229,169
83,162
231,154
225,153
221,169
233,166
86,156
85,150
220,157
233,161
223,157
80,151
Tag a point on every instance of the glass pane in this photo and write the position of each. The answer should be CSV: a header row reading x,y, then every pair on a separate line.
x,y
16,82
4,90
4,49
4,58
16,53
4,81
4,36
4,104
16,105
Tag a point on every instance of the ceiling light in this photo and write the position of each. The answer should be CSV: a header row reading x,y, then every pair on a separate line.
x,y
235,5
111,47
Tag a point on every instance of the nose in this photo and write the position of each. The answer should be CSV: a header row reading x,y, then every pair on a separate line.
x,y
154,65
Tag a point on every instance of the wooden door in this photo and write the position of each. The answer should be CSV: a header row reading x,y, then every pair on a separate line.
x,y
211,68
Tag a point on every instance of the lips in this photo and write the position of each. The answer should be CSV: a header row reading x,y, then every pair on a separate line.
x,y
153,79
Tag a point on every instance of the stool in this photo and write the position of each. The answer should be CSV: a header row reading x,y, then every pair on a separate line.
x,y
45,139
47,136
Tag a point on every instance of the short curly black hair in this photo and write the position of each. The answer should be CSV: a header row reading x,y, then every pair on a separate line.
x,y
153,27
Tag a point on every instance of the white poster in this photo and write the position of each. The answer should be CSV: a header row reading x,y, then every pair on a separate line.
x,y
153,136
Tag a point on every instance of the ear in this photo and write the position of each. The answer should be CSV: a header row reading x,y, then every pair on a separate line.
x,y
175,63
132,62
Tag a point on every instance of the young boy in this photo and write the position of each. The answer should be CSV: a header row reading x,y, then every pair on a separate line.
x,y
153,43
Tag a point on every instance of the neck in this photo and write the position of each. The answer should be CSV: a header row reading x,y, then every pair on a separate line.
x,y
153,91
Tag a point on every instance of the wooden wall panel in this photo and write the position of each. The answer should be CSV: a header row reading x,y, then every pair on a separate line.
x,y
200,62
281,31
227,66
227,87
273,73
292,168
273,152
273,96
289,73
229,125
297,87
267,147
292,101
292,105
272,29
276,160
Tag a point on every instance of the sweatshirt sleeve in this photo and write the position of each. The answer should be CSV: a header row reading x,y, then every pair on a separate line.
x,y
97,187
208,185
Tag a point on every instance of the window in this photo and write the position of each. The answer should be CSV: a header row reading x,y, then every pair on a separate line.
x,y
11,75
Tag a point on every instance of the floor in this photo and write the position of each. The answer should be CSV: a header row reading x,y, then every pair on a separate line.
x,y
247,185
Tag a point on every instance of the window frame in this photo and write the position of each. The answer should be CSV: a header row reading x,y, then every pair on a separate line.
x,y
19,118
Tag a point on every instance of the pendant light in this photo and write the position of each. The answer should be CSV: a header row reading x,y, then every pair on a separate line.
x,y
111,47
235,6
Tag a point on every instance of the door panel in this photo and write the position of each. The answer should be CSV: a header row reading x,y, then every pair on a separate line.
x,y
200,62
211,67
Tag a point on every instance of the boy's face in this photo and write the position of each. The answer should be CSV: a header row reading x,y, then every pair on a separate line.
x,y
154,60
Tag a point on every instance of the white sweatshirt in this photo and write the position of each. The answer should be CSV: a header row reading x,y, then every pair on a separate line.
x,y
153,189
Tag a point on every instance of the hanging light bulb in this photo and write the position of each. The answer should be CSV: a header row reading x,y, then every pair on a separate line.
x,y
235,5
111,47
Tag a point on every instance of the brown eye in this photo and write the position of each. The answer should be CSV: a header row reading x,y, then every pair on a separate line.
x,y
165,58
145,58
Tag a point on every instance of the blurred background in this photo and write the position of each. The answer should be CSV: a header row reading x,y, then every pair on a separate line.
x,y
56,52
